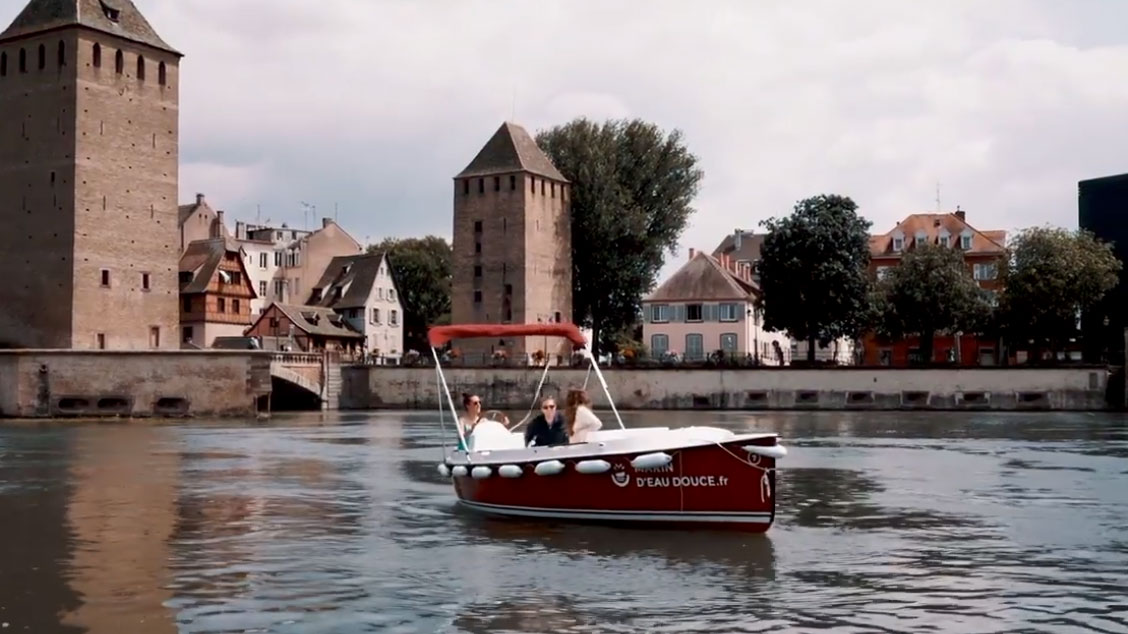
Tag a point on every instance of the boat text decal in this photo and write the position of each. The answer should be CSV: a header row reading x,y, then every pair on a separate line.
x,y
682,481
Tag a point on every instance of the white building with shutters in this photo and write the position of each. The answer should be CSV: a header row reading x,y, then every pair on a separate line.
x,y
708,306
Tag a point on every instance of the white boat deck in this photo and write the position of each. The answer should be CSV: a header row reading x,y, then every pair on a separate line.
x,y
492,443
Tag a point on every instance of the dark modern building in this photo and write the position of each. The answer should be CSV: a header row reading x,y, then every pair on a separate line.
x,y
1103,209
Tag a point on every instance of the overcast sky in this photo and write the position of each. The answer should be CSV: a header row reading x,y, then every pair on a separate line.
x,y
373,106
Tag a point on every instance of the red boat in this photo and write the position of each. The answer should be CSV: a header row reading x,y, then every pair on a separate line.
x,y
690,476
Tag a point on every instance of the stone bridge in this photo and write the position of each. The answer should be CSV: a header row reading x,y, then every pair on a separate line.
x,y
317,373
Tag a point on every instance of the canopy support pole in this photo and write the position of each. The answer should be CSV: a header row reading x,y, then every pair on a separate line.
x,y
595,366
453,411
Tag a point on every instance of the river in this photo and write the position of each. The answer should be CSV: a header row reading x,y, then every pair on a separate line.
x,y
887,522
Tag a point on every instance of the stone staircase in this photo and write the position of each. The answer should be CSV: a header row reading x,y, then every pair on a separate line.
x,y
332,391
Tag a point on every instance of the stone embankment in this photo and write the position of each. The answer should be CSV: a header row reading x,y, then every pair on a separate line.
x,y
98,383
1073,388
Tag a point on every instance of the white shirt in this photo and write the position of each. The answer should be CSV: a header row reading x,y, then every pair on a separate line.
x,y
586,421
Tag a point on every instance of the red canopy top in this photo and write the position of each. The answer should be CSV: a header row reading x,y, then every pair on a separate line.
x,y
438,335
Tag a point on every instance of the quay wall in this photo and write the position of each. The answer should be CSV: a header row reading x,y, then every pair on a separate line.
x,y
96,383
1072,388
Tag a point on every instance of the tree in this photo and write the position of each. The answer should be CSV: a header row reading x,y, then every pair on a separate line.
x,y
931,292
1053,275
421,268
813,271
632,189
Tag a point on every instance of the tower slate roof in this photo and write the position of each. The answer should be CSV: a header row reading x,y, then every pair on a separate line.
x,y
511,149
116,17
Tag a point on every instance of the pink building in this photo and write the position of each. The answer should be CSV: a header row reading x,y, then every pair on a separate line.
x,y
707,306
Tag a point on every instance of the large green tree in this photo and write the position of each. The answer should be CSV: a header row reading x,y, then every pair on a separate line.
x,y
422,270
931,292
1053,275
632,191
813,271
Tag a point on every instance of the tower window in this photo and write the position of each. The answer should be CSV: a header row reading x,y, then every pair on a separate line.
x,y
542,187
23,61
477,297
533,185
42,57
466,187
112,14
557,316
504,225
141,67
552,188
162,74
97,55
497,183
145,282
477,247
512,182
62,53
481,185
119,62
3,64
477,226
477,270
101,339
105,278
508,289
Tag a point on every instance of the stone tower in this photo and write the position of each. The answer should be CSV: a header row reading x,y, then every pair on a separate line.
x,y
512,243
88,179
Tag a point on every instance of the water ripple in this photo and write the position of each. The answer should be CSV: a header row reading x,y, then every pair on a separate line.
x,y
886,523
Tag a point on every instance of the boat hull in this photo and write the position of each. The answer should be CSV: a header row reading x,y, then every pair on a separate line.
x,y
718,485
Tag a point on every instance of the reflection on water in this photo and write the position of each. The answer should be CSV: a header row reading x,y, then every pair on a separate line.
x,y
324,523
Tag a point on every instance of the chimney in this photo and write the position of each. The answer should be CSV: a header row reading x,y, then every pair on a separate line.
x,y
325,222
240,230
199,199
961,214
692,253
737,239
219,215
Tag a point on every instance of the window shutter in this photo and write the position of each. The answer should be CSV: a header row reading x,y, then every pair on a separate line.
x,y
678,313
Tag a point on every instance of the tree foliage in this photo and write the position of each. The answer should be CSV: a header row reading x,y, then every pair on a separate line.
x,y
813,271
931,292
422,271
1053,275
632,190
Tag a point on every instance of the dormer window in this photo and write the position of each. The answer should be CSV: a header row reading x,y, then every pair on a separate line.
x,y
965,241
898,244
921,238
945,238
112,14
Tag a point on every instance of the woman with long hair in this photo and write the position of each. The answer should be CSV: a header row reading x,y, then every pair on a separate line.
x,y
578,416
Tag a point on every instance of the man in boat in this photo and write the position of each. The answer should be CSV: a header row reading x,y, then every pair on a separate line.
x,y
541,433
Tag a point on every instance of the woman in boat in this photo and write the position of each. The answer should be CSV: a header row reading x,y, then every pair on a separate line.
x,y
580,419
472,413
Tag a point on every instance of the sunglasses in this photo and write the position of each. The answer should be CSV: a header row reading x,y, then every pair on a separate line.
x,y
475,402
548,407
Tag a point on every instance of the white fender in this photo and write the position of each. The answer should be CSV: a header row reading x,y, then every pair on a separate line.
x,y
549,467
480,473
652,460
510,471
459,471
444,470
773,451
592,466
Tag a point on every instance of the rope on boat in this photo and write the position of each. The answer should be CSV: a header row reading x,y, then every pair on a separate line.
x,y
753,460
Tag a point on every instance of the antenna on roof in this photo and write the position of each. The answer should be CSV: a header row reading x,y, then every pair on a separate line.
x,y
258,214
513,110
937,195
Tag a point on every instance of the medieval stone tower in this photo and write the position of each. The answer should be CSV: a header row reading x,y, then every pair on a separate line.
x,y
512,243
88,179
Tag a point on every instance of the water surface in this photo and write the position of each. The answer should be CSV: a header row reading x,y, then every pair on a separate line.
x,y
340,523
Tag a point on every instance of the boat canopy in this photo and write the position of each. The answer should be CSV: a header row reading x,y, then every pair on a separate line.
x,y
439,335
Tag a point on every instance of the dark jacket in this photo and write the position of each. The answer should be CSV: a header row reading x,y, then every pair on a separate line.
x,y
544,434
